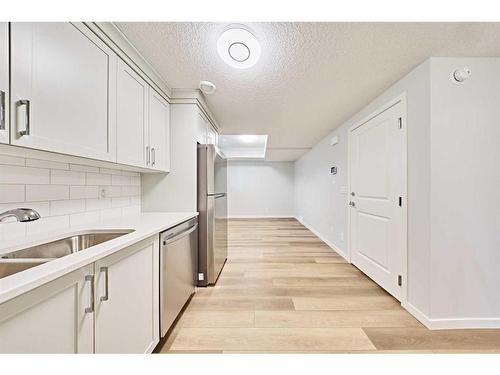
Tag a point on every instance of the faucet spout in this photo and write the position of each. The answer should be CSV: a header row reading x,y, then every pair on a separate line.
x,y
21,214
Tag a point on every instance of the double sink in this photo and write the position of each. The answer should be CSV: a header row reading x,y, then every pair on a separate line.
x,y
20,260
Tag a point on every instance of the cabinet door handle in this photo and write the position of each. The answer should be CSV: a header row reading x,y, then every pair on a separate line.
x,y
26,130
147,155
2,110
90,309
153,156
105,297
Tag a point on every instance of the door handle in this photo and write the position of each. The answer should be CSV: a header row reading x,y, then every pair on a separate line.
x,y
153,156
26,130
105,297
90,309
2,110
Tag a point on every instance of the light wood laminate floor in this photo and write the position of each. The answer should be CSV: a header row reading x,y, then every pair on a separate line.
x,y
284,290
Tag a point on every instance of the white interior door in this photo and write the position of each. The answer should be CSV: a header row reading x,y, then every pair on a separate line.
x,y
4,82
377,183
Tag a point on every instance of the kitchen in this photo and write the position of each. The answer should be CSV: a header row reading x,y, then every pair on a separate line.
x,y
149,205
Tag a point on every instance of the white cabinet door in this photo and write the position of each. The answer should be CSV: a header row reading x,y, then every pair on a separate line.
x,y
132,117
127,299
4,82
53,318
159,131
63,90
211,135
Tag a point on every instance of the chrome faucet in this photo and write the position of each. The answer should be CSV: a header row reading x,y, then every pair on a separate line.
x,y
21,214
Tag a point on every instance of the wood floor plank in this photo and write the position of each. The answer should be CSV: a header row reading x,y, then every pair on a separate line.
x,y
424,339
331,319
210,319
346,303
268,339
231,303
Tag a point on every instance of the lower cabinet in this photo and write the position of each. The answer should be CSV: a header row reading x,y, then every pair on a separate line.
x,y
111,306
56,317
127,305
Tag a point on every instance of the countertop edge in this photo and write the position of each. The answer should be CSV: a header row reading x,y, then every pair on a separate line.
x,y
17,284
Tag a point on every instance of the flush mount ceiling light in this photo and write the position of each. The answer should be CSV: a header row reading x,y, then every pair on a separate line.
x,y
238,47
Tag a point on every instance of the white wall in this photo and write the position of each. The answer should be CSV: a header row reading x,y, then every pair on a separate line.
x,y
260,189
465,190
63,193
321,199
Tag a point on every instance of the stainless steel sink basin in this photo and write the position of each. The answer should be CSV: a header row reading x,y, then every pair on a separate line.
x,y
23,259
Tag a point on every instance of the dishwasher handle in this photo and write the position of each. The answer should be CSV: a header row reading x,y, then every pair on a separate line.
x,y
171,237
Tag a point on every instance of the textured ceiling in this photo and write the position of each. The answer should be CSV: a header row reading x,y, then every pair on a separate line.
x,y
311,76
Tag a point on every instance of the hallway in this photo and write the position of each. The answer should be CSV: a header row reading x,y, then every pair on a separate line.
x,y
284,290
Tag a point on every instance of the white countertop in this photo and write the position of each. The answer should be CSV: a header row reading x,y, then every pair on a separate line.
x,y
144,226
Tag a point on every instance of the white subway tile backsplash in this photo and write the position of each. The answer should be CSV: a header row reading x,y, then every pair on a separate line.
x,y
12,160
98,204
110,171
13,174
110,191
98,179
11,193
84,192
64,194
129,191
46,164
120,180
66,207
83,168
84,218
121,202
46,192
135,181
130,173
59,177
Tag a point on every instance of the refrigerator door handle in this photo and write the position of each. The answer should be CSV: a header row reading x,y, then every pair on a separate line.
x,y
217,195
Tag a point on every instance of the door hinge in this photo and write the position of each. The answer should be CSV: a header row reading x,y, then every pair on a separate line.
x,y
400,280
400,122
400,201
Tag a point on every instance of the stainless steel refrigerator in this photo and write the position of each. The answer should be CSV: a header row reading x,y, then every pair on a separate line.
x,y
212,206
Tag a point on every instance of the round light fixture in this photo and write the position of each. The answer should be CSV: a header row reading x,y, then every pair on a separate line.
x,y
238,47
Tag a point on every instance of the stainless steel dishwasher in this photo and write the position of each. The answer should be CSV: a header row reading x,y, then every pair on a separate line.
x,y
178,267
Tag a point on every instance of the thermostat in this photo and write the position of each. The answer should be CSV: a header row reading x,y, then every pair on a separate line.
x,y
333,170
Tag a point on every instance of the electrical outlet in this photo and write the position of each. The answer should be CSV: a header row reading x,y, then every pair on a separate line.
x,y
201,276
102,192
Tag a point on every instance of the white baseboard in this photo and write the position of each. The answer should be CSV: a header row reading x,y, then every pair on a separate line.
x,y
452,323
261,217
322,238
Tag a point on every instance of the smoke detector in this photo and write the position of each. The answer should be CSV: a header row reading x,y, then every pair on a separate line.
x,y
207,87
460,75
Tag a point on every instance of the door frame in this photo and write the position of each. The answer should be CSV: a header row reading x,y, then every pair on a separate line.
x,y
401,98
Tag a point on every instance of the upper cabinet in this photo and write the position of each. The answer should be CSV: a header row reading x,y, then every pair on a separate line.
x,y
159,131
63,90
206,134
4,82
143,122
132,117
